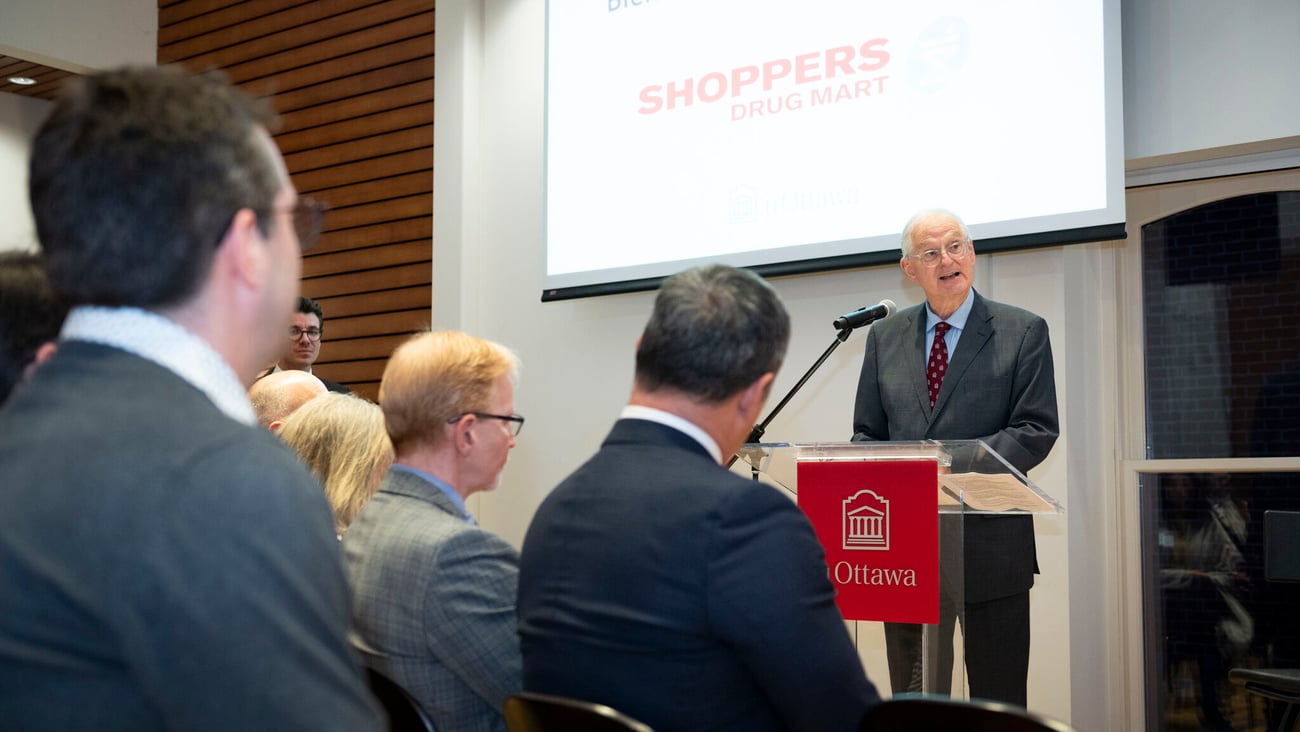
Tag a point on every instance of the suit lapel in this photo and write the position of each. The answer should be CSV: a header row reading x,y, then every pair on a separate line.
x,y
976,334
916,360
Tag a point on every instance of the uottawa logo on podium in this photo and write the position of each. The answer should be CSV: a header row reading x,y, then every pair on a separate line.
x,y
877,521
866,522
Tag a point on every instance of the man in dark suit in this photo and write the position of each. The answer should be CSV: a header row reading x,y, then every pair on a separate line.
x,y
988,377
306,327
165,563
30,317
434,592
656,581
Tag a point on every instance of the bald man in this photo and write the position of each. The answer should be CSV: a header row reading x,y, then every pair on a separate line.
x,y
277,395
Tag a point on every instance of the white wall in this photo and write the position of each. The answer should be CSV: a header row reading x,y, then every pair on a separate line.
x,y
19,118
80,35
1207,73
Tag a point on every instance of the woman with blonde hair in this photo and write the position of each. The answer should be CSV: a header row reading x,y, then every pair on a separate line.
x,y
342,440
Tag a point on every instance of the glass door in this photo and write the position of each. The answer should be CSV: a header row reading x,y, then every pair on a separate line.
x,y
1213,272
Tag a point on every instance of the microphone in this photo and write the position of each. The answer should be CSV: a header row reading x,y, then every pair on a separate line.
x,y
865,316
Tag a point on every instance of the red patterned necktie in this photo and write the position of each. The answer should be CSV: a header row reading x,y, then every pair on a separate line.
x,y
937,366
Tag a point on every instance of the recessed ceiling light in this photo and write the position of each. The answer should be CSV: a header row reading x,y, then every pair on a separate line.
x,y
21,80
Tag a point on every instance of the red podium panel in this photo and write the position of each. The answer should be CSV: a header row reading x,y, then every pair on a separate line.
x,y
891,518
878,523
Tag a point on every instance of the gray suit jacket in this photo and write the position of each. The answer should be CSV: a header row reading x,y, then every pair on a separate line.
x,y
434,605
1000,388
163,567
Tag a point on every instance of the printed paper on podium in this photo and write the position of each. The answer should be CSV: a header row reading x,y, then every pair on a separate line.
x,y
990,492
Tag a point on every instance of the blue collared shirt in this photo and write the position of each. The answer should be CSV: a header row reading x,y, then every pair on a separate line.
x,y
958,322
441,485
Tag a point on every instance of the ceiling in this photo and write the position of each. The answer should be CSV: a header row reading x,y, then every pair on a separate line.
x,y
47,78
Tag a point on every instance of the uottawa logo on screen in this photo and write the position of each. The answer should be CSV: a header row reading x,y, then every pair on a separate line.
x,y
877,521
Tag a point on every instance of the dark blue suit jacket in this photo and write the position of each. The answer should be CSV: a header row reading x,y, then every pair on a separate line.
x,y
657,582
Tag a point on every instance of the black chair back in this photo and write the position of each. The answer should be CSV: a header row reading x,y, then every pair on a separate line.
x,y
1281,564
1282,546
1277,684
530,712
942,713
404,715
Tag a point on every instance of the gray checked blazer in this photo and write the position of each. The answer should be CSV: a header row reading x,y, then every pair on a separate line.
x,y
434,603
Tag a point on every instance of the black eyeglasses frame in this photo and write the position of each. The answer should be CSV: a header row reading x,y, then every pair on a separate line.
x,y
515,419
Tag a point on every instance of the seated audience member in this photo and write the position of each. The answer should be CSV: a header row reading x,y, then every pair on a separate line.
x,y
305,331
30,316
658,582
278,395
341,439
164,563
434,594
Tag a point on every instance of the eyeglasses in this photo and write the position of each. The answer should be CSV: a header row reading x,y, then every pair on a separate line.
x,y
956,251
514,421
308,218
313,334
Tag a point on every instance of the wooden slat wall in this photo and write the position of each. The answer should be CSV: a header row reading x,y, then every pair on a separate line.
x,y
353,83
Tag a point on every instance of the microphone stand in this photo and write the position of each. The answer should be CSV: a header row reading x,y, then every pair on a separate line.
x,y
756,434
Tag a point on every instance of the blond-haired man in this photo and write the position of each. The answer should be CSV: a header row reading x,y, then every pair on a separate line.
x,y
435,594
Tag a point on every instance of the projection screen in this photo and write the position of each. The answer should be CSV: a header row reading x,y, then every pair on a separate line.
x,y
799,135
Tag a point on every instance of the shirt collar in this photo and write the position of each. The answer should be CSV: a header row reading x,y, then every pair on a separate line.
x,y
441,485
957,320
154,337
668,419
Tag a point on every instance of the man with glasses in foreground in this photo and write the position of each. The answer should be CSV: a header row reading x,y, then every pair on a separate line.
x,y
165,563
305,331
434,603
962,367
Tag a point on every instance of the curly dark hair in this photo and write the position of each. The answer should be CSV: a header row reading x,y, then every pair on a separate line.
x,y
30,314
308,306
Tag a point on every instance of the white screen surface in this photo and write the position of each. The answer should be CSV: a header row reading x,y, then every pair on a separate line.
x,y
757,132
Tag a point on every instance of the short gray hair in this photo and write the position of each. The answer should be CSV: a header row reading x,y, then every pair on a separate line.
x,y
714,331
925,215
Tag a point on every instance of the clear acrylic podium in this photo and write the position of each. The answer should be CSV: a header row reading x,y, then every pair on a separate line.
x,y
948,479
